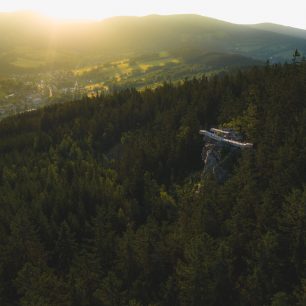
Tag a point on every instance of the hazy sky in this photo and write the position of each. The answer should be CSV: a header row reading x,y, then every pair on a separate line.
x,y
291,13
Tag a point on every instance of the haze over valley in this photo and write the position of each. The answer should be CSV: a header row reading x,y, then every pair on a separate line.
x,y
44,61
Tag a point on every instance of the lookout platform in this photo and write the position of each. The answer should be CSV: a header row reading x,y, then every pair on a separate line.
x,y
226,136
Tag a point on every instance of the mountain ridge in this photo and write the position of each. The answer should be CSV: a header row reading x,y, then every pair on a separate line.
x,y
281,29
117,36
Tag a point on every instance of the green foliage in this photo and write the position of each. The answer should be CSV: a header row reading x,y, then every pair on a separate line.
x,y
41,287
101,200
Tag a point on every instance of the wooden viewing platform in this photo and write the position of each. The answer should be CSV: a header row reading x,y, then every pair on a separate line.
x,y
226,138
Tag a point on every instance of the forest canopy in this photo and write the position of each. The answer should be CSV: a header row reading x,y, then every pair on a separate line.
x,y
99,203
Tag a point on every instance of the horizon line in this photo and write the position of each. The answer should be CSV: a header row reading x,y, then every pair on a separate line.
x,y
99,19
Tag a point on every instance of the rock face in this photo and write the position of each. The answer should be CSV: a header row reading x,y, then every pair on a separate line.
x,y
215,161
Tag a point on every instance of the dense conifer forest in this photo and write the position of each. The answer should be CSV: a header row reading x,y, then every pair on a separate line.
x,y
102,200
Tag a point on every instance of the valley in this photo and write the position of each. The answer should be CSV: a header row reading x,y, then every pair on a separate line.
x,y
21,92
43,62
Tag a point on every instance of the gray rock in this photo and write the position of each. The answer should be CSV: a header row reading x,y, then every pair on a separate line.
x,y
211,156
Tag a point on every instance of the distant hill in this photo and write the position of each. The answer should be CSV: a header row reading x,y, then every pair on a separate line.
x,y
181,31
276,28
31,42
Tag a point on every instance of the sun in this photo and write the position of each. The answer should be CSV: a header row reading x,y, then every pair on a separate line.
x,y
60,9
69,10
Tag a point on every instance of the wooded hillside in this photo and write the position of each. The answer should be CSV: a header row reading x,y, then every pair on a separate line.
x,y
100,205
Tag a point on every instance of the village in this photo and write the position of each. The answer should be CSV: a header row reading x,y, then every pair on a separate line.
x,y
24,93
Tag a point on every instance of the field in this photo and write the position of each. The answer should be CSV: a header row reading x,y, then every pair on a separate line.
x,y
151,70
28,63
135,71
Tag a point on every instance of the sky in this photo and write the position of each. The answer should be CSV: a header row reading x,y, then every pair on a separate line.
x,y
236,11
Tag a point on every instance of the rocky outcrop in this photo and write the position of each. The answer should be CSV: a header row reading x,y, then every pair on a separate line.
x,y
216,158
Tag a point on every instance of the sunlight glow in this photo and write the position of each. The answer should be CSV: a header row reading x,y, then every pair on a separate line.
x,y
237,11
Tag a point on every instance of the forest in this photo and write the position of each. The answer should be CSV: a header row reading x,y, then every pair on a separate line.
x,y
103,202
